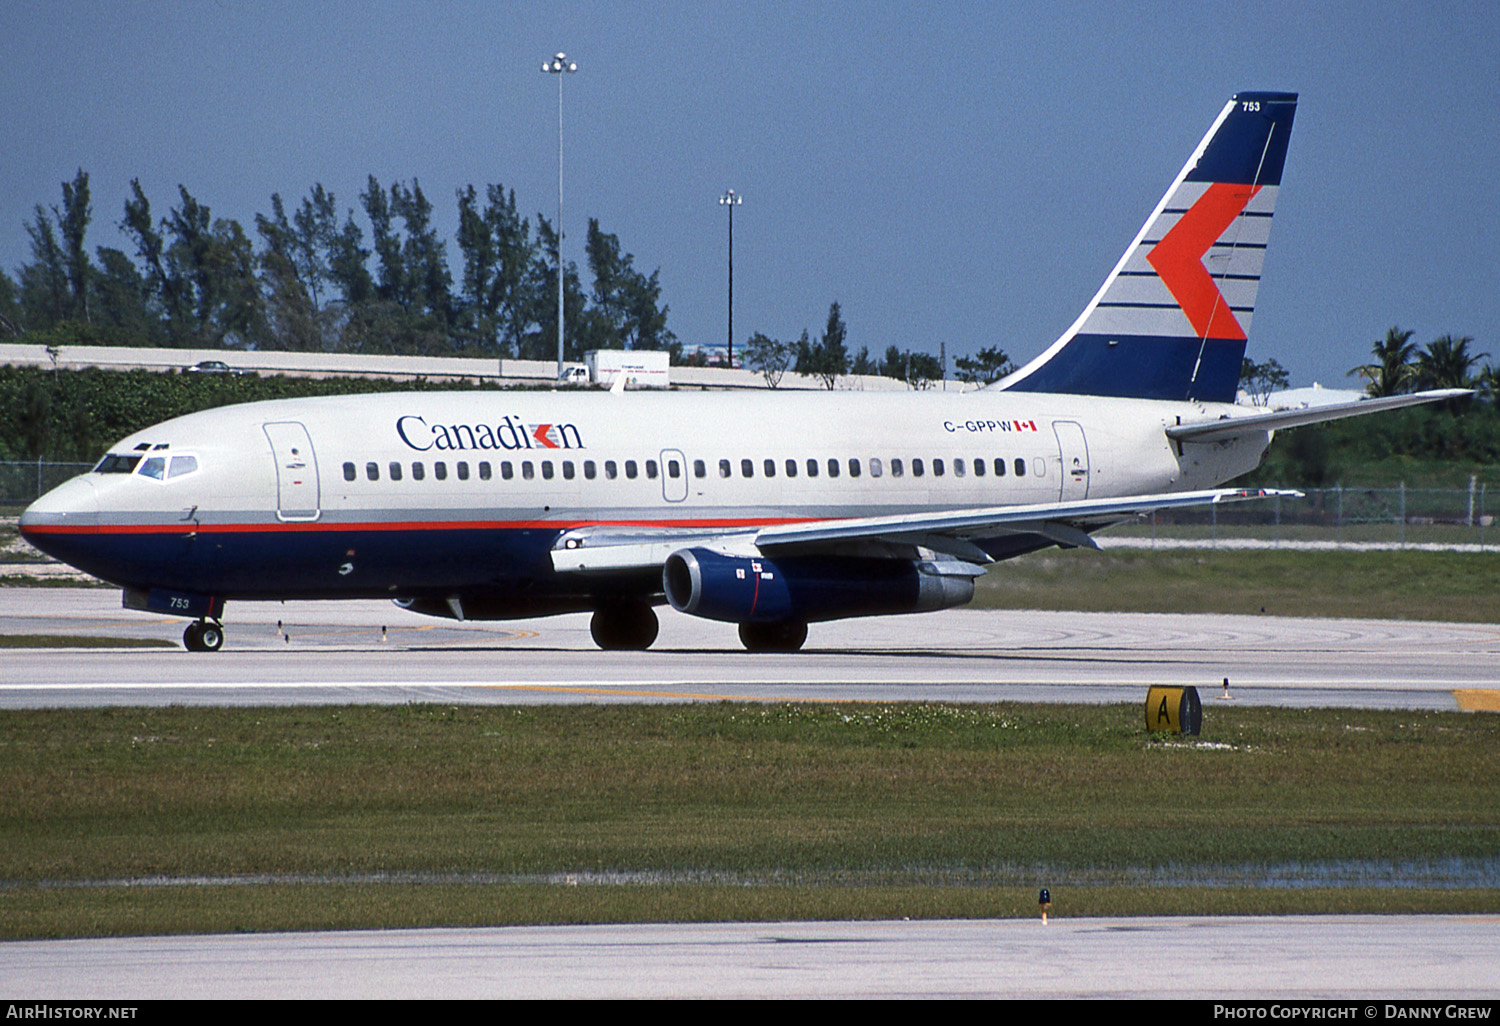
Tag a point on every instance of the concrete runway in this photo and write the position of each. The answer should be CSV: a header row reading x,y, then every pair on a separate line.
x,y
1433,959
316,653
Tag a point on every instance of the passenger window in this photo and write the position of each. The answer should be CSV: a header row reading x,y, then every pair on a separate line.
x,y
372,471
699,469
770,466
651,469
833,468
674,469
506,470
747,468
182,465
937,468
916,467
979,468
896,467
791,468
547,470
958,468
440,470
999,466
590,469
611,470
463,471
876,467
484,470
418,471
567,470
723,468
395,469
630,469
350,473
528,470
812,468
1020,467
853,467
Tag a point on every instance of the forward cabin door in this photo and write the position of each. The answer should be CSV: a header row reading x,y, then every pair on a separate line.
x,y
1074,450
296,471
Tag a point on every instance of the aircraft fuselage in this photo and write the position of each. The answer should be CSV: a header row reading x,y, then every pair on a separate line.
x,y
432,494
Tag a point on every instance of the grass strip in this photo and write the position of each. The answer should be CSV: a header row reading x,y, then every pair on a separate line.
x,y
1388,585
79,641
135,912
863,810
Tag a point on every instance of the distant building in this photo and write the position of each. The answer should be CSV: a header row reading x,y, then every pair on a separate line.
x,y
707,354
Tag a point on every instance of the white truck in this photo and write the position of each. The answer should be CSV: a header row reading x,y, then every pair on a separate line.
x,y
641,368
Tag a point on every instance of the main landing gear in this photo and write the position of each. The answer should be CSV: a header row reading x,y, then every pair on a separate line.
x,y
624,626
203,636
787,636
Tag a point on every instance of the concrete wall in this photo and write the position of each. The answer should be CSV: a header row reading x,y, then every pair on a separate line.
x,y
331,364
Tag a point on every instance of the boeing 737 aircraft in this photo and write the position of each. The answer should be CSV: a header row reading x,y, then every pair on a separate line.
x,y
770,511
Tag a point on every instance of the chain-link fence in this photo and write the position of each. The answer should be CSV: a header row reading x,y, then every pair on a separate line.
x,y
21,482
1401,515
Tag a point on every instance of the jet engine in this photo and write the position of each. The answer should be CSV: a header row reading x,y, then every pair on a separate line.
x,y
756,589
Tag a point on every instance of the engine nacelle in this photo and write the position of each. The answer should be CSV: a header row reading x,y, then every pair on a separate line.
x,y
744,589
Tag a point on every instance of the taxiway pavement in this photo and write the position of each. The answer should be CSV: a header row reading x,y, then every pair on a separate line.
x,y
320,653
1449,960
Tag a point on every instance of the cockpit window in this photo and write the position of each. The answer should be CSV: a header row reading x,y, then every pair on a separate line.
x,y
182,465
115,464
155,467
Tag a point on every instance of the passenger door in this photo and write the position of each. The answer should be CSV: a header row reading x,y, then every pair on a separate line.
x,y
297,496
1074,450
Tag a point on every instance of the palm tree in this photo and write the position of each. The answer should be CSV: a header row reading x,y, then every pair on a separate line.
x,y
1392,372
1447,363
1488,383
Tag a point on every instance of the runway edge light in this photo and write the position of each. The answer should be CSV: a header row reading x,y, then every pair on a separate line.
x,y
1176,710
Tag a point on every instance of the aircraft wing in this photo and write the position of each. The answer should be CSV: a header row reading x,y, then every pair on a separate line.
x,y
605,548
1276,420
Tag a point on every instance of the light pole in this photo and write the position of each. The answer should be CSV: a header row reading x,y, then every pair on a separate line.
x,y
730,200
559,65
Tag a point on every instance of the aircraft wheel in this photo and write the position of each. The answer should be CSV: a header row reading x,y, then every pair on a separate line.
x,y
628,626
788,636
213,637
203,636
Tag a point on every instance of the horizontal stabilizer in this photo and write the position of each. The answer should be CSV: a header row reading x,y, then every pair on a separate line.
x,y
1276,420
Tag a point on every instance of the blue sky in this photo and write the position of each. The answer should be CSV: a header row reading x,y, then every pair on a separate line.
x,y
959,172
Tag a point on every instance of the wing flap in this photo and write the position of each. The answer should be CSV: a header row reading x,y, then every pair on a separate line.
x,y
1062,521
604,548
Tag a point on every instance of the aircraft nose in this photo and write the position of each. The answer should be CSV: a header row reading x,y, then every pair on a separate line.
x,y
70,508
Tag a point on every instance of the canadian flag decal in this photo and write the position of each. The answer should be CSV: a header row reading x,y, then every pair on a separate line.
x,y
1178,259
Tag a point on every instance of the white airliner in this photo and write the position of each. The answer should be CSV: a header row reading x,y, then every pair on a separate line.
x,y
770,510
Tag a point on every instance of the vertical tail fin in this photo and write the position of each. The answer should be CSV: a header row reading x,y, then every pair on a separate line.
x,y
1170,320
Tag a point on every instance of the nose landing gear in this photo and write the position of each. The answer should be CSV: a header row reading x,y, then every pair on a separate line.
x,y
203,636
